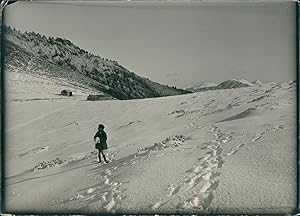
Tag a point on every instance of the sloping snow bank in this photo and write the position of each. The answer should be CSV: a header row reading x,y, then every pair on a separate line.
x,y
222,151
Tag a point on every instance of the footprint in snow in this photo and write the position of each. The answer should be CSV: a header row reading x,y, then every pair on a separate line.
x,y
259,135
195,190
35,150
235,150
107,193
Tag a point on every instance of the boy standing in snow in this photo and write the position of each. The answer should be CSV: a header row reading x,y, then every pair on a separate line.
x,y
100,139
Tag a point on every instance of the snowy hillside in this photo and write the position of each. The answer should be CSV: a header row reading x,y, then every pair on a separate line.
x,y
33,53
39,87
223,151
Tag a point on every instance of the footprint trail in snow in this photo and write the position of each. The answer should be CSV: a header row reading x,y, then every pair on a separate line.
x,y
195,191
107,194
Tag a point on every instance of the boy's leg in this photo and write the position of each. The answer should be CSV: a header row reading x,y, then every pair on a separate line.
x,y
104,157
99,155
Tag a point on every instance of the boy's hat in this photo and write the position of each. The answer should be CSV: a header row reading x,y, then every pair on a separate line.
x,y
101,126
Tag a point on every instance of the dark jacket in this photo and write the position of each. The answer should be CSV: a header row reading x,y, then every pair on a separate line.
x,y
103,137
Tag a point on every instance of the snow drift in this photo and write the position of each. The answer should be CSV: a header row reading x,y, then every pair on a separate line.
x,y
223,151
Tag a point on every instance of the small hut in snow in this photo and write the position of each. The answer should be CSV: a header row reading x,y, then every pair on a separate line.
x,y
99,97
66,92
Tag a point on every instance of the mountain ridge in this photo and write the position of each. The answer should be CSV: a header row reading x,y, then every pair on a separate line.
x,y
228,84
61,58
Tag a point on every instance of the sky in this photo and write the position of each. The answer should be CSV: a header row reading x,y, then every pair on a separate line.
x,y
174,43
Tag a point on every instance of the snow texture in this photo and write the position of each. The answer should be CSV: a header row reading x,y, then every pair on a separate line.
x,y
222,151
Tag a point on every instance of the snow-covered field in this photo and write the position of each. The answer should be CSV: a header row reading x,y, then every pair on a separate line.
x,y
222,151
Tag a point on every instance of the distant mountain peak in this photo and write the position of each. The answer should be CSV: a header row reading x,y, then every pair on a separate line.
x,y
246,82
257,82
228,84
234,83
201,85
